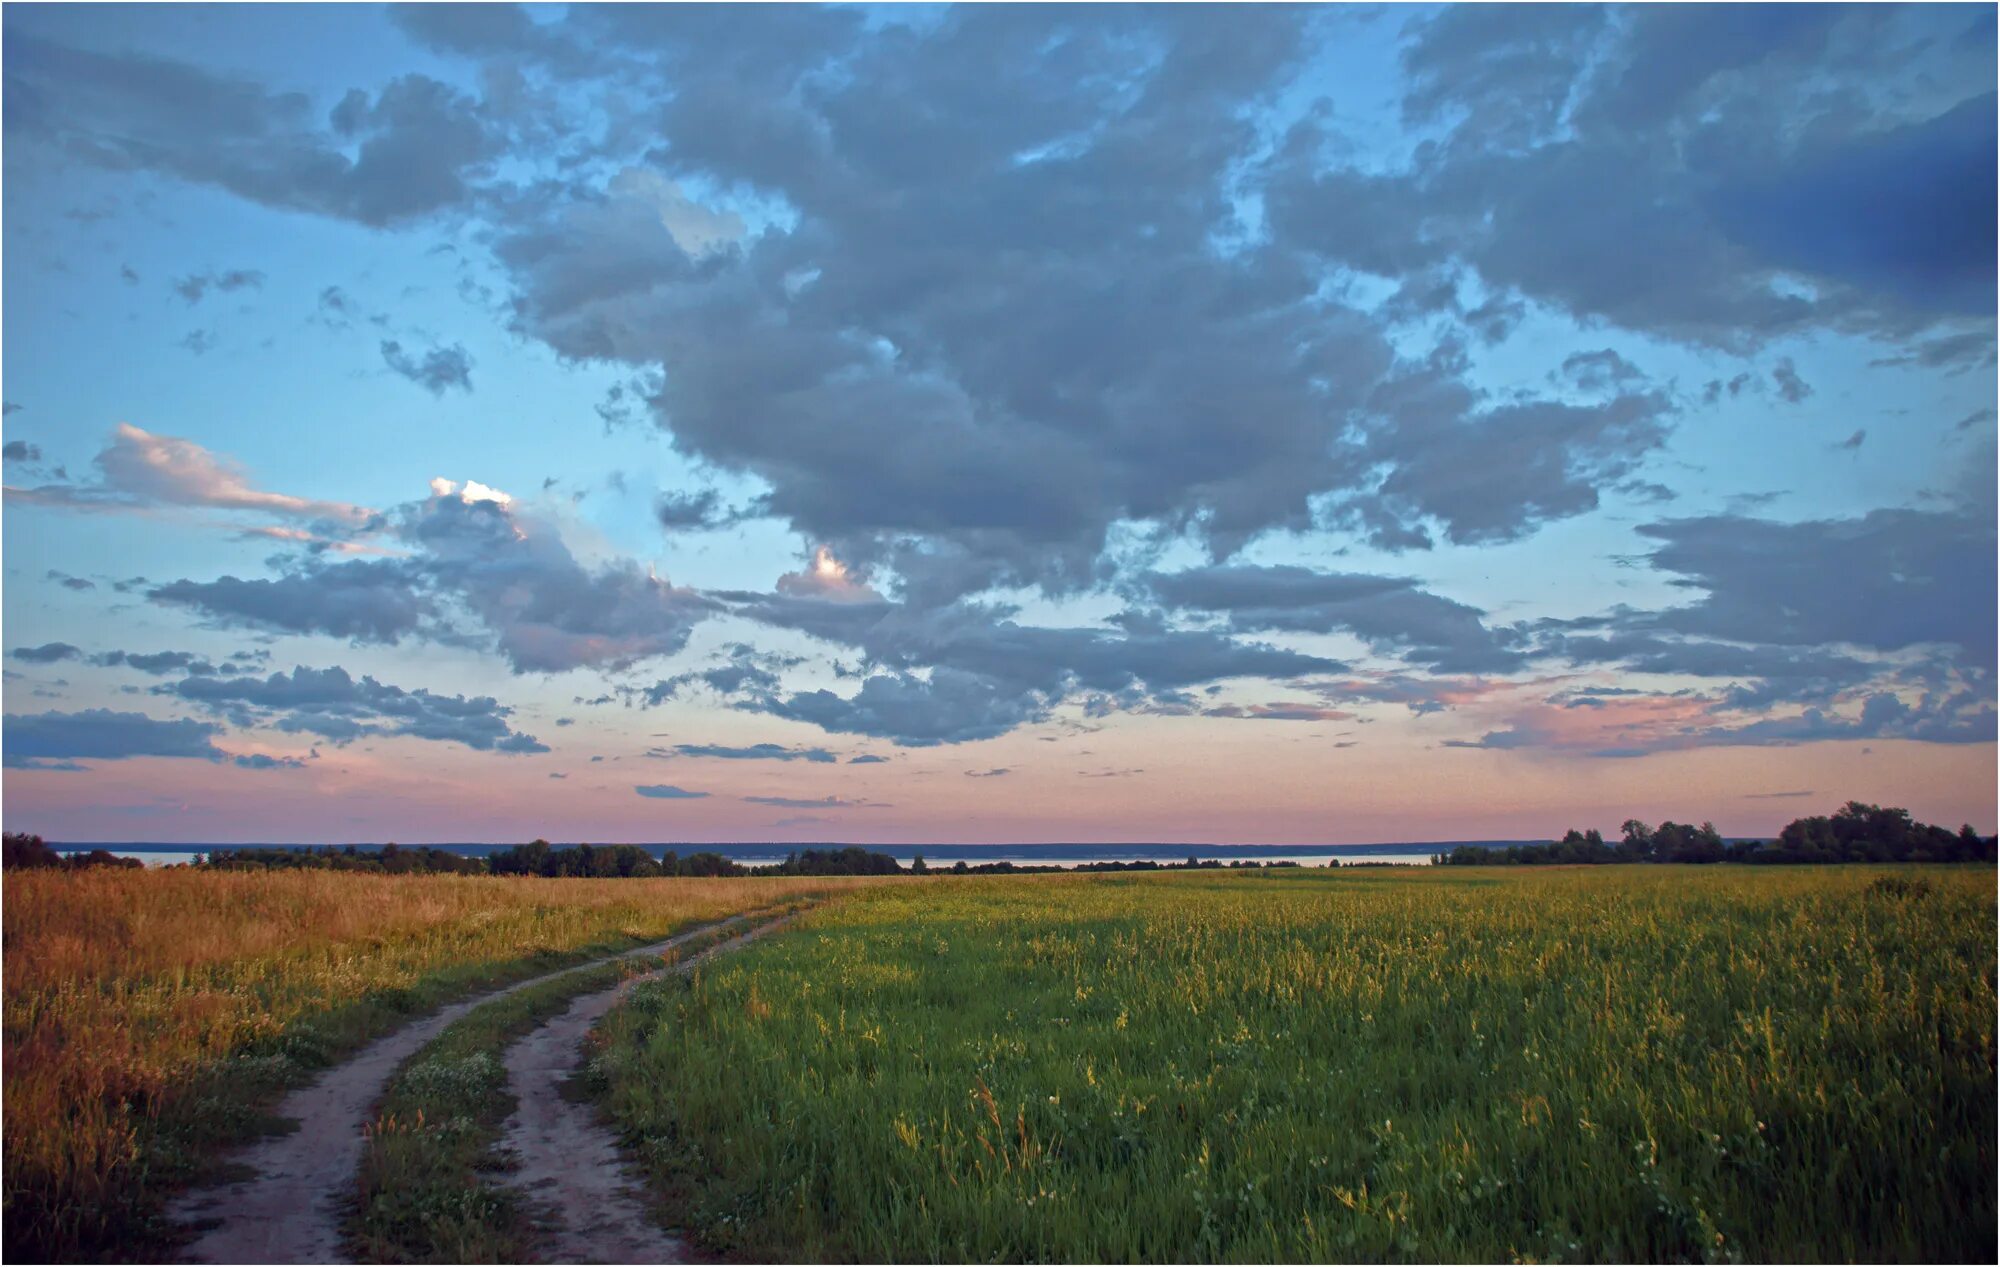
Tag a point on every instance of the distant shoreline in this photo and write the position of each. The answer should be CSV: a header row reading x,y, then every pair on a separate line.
x,y
767,853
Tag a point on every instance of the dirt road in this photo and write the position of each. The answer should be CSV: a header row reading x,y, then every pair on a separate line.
x,y
290,1211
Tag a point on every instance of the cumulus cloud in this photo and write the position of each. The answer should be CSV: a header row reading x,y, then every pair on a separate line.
x,y
1888,580
20,451
1395,615
950,402
159,663
52,741
476,559
969,671
413,148
755,752
47,653
1724,172
335,705
667,792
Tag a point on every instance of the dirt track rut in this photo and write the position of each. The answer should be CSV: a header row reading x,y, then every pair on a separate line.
x,y
592,1206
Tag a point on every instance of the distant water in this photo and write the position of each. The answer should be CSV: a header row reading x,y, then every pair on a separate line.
x,y
1413,853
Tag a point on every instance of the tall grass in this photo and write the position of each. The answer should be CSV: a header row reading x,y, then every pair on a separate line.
x,y
152,1015
1613,1064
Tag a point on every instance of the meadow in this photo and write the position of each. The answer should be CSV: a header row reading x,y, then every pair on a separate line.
x,y
154,1016
1613,1063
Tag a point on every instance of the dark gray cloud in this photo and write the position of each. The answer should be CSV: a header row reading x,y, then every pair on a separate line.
x,y
54,741
47,653
366,601
682,511
415,147
746,673
948,706
969,671
755,752
436,370
1395,615
667,792
1721,161
1886,581
196,285
335,705
159,663
990,337
20,451
260,761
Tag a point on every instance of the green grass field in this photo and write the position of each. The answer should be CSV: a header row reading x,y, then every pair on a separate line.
x,y
1615,1063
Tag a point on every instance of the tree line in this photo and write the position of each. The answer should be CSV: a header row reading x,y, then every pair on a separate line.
x,y
1857,832
25,851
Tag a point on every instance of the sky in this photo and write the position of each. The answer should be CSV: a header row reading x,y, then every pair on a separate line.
x,y
994,424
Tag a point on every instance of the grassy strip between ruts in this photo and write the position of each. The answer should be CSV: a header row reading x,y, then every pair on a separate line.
x,y
428,1188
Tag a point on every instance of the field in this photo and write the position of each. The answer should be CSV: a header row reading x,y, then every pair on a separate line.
x,y
1616,1063
153,1015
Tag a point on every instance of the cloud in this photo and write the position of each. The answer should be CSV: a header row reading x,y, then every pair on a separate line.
x,y
20,451
755,752
50,741
1888,580
997,772
476,560
416,147
335,705
746,672
667,792
435,371
1640,725
362,602
69,582
867,759
682,511
1395,615
47,653
1277,712
158,663
949,706
140,470
968,671
809,802
950,401
196,285
260,761
1739,197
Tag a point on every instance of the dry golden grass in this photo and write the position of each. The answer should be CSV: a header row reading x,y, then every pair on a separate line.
x,y
149,1013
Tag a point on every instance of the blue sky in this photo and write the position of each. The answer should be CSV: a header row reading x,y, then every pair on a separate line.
x,y
1249,424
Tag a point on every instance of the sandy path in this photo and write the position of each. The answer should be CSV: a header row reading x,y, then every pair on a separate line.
x,y
593,1207
290,1212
